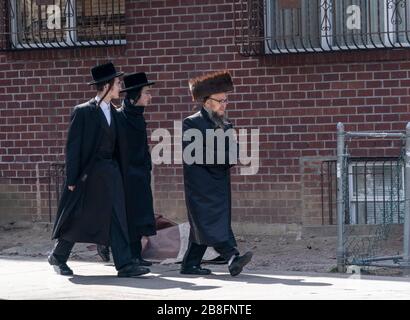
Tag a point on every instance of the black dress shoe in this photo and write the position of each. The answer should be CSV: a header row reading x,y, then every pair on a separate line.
x,y
143,262
132,270
197,270
60,268
103,252
239,262
217,260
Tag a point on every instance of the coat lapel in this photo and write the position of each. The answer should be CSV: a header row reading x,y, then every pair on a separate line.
x,y
97,123
103,120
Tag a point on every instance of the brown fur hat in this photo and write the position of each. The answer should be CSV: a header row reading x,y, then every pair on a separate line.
x,y
210,83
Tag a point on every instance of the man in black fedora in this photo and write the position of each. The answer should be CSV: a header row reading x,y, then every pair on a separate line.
x,y
139,200
92,207
138,193
207,181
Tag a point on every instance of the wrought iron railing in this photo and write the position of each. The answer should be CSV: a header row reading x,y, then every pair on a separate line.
x,y
56,181
298,26
36,24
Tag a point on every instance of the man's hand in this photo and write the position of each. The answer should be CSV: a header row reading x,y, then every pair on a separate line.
x,y
71,188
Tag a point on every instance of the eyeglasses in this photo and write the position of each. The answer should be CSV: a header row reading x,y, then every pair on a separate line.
x,y
222,101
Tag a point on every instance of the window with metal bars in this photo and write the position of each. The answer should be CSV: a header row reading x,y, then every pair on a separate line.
x,y
376,192
315,25
292,26
373,191
35,24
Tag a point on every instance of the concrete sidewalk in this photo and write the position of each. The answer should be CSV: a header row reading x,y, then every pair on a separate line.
x,y
33,278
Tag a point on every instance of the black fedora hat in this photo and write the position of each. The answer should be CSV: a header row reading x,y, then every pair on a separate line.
x,y
135,81
104,73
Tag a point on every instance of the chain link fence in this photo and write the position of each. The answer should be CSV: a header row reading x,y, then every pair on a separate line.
x,y
372,204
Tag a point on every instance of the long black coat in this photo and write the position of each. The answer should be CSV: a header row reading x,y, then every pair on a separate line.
x,y
84,215
208,190
138,193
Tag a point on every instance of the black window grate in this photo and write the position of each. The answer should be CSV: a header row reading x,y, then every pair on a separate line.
x,y
41,24
374,191
299,26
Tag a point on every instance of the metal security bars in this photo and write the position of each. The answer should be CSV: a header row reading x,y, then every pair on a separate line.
x,y
56,181
298,26
375,191
37,24
372,192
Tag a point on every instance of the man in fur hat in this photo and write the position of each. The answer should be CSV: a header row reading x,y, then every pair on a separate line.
x,y
92,207
207,180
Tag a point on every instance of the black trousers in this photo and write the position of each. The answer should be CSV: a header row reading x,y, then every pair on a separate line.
x,y
119,245
136,248
195,252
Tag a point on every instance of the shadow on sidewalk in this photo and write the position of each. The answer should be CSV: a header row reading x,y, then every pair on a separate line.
x,y
163,281
147,282
254,279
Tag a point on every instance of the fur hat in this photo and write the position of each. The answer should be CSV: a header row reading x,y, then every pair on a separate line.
x,y
209,84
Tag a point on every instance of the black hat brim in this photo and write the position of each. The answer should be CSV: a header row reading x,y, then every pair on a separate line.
x,y
106,79
138,86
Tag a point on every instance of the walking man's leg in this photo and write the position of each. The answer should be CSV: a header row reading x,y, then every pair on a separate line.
x,y
59,256
191,264
136,253
121,252
235,261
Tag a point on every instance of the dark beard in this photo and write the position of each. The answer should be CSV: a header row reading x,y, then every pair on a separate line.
x,y
221,121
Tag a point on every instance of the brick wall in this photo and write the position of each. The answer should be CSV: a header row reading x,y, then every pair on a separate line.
x,y
295,101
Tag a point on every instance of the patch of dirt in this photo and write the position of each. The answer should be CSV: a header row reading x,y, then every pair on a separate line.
x,y
286,253
270,252
34,240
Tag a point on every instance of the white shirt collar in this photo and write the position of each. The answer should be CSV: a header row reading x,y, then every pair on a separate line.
x,y
104,105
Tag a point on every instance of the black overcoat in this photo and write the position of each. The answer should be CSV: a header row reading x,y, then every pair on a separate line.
x,y
138,193
208,190
84,215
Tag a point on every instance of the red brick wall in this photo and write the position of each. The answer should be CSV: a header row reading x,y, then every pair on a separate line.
x,y
295,101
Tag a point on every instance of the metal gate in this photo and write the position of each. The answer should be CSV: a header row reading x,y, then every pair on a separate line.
x,y
372,204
